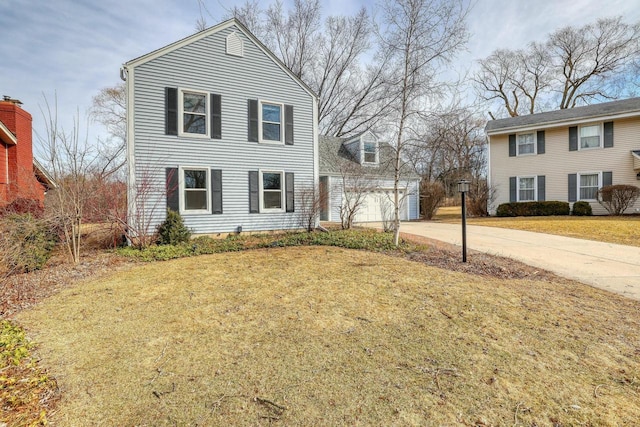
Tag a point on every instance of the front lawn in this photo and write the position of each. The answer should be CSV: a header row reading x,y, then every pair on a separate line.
x,y
331,336
623,230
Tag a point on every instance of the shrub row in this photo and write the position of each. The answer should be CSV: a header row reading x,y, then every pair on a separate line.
x,y
533,208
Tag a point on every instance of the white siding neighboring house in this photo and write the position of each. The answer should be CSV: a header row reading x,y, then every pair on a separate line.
x,y
565,155
219,130
365,162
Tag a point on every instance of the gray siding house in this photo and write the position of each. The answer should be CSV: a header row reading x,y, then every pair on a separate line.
x,y
364,164
219,130
565,155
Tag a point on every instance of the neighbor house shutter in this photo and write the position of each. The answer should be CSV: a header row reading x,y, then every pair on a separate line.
x,y
290,192
173,192
171,110
216,191
252,112
216,116
573,138
540,141
512,145
513,189
608,135
288,124
573,187
541,188
254,192
607,178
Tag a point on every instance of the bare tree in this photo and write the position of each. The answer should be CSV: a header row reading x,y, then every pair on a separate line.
x,y
311,200
109,109
573,66
420,36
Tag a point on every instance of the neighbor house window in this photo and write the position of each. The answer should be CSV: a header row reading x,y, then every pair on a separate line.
x,y
526,189
194,189
370,152
272,191
271,118
194,111
590,136
589,185
526,143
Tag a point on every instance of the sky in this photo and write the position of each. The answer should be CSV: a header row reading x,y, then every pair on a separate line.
x,y
65,51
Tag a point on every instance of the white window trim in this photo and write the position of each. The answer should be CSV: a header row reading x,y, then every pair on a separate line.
x,y
535,144
600,134
182,189
283,185
282,124
377,152
579,174
535,188
207,114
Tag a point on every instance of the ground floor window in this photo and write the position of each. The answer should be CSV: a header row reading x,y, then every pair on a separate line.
x,y
526,189
195,189
589,185
271,190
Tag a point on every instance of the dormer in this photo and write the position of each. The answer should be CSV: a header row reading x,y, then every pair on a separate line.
x,y
364,148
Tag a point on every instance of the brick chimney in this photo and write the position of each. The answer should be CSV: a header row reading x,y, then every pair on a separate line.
x,y
17,179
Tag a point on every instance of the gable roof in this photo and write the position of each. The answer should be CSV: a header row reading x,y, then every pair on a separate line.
x,y
606,110
43,176
332,151
212,30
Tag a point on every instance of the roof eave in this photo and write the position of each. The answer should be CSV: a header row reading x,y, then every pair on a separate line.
x,y
7,136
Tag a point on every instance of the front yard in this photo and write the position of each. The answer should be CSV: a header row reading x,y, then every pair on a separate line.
x,y
331,336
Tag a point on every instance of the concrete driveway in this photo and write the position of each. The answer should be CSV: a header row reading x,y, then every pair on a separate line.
x,y
608,266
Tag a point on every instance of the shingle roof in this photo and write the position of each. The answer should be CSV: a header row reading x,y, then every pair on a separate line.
x,y
625,106
332,152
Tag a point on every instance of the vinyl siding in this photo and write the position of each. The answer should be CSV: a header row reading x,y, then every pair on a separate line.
x,y
557,162
335,196
204,65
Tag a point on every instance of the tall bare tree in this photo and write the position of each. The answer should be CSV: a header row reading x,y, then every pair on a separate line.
x,y
109,109
573,66
420,36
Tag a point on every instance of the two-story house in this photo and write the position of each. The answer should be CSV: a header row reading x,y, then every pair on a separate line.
x,y
365,164
219,130
565,155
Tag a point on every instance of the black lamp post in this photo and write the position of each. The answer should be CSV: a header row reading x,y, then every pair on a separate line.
x,y
463,188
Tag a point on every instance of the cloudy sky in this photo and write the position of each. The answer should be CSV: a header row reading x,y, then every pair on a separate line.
x,y
69,49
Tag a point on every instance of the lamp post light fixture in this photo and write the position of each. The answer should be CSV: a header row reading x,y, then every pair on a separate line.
x,y
463,188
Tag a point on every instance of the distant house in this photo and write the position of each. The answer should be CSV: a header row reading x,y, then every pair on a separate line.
x,y
363,163
21,176
221,131
565,155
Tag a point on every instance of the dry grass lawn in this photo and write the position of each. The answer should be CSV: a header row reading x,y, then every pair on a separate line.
x,y
611,229
329,336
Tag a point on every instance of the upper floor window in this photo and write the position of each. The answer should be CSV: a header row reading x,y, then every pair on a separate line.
x,y
271,122
193,114
526,143
526,189
590,136
370,152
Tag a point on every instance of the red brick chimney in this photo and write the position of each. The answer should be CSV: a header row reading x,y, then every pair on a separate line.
x,y
17,179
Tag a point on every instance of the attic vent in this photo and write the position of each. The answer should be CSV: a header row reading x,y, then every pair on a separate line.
x,y
235,46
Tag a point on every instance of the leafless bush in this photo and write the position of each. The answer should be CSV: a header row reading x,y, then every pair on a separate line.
x,y
311,200
432,193
480,196
26,243
617,198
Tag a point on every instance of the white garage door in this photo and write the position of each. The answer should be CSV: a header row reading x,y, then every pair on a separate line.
x,y
378,206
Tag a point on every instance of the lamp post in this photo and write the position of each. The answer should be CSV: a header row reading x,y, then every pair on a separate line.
x,y
463,188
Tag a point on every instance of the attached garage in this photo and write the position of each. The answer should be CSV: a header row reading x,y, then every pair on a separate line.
x,y
377,206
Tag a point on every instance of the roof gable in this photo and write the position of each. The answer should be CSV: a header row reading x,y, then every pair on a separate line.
x,y
606,110
212,30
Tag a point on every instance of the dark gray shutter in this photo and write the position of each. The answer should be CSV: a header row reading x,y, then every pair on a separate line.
x,y
288,125
216,191
607,178
573,138
608,135
254,192
513,189
290,192
252,113
173,192
512,145
216,116
573,187
540,141
171,111
541,188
